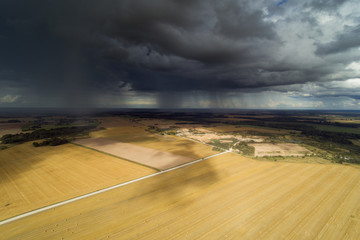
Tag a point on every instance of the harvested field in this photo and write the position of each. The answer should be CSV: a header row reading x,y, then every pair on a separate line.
x,y
223,197
279,149
209,136
10,128
146,156
110,122
9,131
126,134
230,119
171,144
35,177
206,136
161,123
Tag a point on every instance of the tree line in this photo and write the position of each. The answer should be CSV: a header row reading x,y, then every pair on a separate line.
x,y
44,133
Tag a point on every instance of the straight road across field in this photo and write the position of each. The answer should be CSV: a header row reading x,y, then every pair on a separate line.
x,y
226,196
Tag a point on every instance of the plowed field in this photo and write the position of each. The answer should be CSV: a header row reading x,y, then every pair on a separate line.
x,y
142,155
280,149
171,144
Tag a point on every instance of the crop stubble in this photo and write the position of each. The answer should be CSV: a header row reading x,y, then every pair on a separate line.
x,y
36,177
225,196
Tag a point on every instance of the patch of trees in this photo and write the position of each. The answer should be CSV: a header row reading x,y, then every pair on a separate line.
x,y
338,124
64,121
44,133
279,125
245,149
32,126
307,130
342,138
338,151
222,145
55,141
153,129
11,121
169,132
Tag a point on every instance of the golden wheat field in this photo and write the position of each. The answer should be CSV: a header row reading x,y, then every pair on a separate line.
x,y
225,197
35,177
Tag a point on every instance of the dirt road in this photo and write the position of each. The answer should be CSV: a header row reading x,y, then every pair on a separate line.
x,y
227,196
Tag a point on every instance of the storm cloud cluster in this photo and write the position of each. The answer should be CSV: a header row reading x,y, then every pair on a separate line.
x,y
89,53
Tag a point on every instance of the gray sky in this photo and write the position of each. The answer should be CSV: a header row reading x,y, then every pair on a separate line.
x,y
180,53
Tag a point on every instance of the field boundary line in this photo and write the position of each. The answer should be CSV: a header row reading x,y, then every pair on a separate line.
x,y
121,158
39,210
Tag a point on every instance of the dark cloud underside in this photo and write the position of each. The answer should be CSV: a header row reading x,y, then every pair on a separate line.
x,y
67,52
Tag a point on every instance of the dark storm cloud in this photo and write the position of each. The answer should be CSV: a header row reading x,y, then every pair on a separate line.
x,y
349,39
171,27
65,52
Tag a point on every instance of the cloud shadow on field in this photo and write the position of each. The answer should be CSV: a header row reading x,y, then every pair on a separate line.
x,y
180,185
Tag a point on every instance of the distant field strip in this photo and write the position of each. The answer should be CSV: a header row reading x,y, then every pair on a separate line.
x,y
146,156
32,178
227,196
279,149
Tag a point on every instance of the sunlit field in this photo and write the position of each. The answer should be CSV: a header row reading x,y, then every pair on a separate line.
x,y
36,177
222,197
